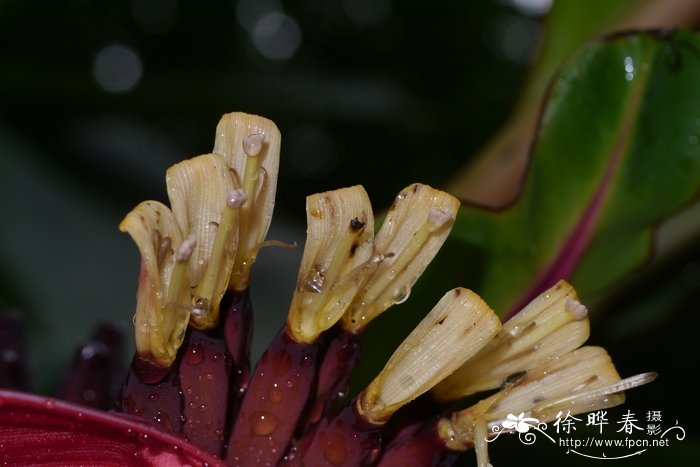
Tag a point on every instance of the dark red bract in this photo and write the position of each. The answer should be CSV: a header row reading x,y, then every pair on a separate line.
x,y
37,430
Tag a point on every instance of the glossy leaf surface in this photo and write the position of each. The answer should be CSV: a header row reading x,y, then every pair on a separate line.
x,y
616,152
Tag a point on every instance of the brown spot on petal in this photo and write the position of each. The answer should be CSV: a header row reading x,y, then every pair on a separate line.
x,y
356,224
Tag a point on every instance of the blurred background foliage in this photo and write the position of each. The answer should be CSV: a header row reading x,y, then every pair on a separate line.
x,y
97,99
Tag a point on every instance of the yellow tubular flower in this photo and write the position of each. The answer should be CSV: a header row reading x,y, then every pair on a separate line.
x,y
581,381
250,145
176,248
552,324
457,327
416,226
338,244
221,208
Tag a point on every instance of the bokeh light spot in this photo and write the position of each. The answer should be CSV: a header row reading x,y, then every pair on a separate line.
x,y
277,36
117,68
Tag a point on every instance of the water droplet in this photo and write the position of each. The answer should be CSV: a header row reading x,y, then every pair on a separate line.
x,y
402,295
334,450
49,404
307,360
275,394
163,420
153,396
262,423
143,437
194,355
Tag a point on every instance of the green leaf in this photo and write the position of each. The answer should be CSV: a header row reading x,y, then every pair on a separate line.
x,y
616,152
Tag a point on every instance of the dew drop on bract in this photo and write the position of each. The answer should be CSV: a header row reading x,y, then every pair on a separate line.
x,y
307,360
194,355
334,450
262,423
162,419
275,394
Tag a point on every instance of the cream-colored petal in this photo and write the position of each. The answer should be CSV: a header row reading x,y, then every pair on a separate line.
x,y
579,371
581,381
250,145
338,247
418,222
553,324
198,189
457,327
160,325
576,372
